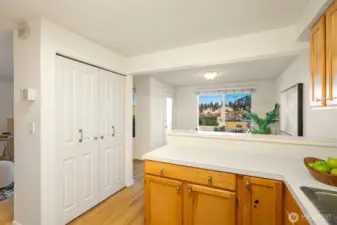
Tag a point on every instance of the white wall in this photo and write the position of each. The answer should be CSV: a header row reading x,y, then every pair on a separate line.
x,y
317,123
159,92
34,60
142,111
27,177
6,103
185,113
150,109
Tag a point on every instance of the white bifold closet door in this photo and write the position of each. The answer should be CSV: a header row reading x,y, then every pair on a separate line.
x,y
89,123
111,153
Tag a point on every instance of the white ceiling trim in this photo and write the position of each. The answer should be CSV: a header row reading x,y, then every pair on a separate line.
x,y
272,43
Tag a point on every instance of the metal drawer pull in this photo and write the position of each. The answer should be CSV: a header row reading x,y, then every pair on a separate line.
x,y
210,179
95,138
161,170
247,183
102,137
190,190
178,188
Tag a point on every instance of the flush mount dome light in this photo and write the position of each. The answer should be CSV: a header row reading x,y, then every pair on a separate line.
x,y
210,75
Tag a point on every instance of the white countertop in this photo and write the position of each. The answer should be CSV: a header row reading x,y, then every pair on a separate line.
x,y
282,139
279,163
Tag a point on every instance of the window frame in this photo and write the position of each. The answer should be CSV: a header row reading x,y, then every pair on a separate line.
x,y
223,95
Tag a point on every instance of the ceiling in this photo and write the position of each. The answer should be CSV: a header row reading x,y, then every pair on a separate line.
x,y
133,27
235,72
6,55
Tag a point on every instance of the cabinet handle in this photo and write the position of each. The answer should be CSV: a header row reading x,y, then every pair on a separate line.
x,y
210,179
95,138
102,137
190,190
247,183
81,135
178,188
161,170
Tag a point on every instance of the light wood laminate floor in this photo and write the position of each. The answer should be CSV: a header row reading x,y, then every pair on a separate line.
x,y
124,208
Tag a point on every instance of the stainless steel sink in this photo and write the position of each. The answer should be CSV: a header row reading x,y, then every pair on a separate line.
x,y
324,201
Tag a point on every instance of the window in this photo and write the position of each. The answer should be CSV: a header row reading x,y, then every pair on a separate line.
x,y
224,112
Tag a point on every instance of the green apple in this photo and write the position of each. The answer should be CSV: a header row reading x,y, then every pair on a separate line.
x,y
323,168
334,171
311,164
320,162
332,163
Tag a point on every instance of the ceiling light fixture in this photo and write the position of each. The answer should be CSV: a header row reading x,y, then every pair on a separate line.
x,y
210,75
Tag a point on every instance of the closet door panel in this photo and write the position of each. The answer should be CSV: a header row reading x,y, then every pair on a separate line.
x,y
76,128
67,139
87,100
118,131
110,144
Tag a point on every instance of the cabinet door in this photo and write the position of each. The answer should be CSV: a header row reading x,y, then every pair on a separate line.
x,y
263,202
331,32
163,201
204,205
293,215
318,64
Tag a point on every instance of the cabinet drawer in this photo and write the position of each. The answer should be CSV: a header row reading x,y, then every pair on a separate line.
x,y
194,175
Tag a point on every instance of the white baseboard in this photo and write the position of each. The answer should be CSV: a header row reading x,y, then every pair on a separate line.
x,y
16,223
130,182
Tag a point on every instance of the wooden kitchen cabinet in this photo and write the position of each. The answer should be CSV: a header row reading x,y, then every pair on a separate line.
x,y
331,54
291,208
163,201
181,195
262,201
318,63
204,205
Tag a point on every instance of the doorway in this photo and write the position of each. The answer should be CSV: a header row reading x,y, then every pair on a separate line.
x,y
169,117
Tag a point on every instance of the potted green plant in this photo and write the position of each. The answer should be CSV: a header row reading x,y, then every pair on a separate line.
x,y
263,123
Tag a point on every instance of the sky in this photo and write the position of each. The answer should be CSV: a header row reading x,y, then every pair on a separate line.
x,y
217,98
210,98
233,97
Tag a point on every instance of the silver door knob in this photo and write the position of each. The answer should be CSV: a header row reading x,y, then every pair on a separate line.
x,y
190,190
247,183
178,188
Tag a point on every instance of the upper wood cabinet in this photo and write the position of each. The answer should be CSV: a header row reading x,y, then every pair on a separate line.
x,y
205,205
331,54
263,202
163,201
318,64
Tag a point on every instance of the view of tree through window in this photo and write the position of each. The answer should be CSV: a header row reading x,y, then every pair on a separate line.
x,y
224,112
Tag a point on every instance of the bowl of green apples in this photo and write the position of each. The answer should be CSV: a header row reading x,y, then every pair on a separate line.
x,y
324,171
